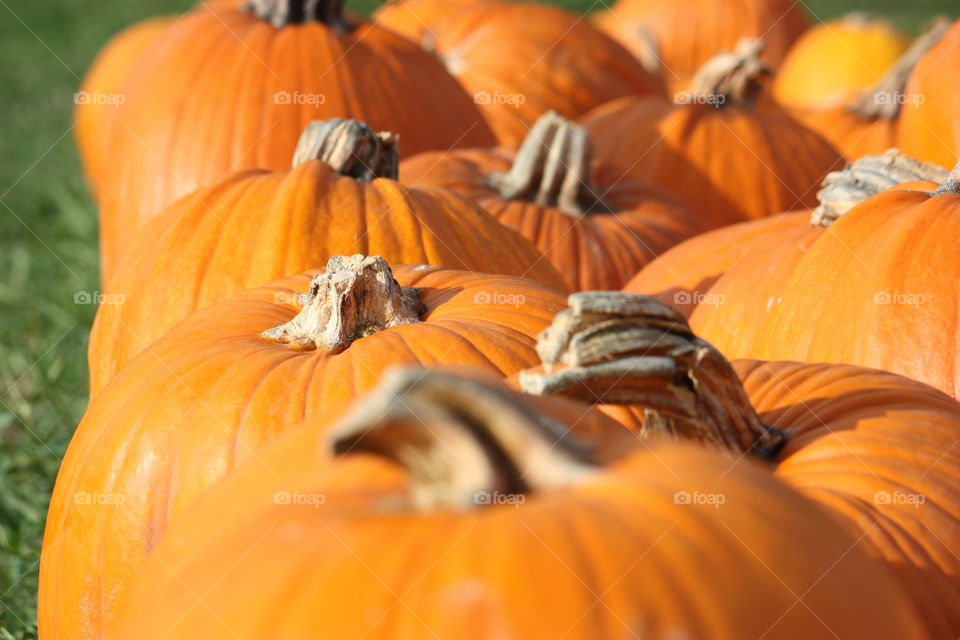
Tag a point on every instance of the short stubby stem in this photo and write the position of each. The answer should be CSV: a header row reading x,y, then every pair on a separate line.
x,y
355,298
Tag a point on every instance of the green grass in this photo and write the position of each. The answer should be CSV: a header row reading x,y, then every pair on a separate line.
x,y
48,239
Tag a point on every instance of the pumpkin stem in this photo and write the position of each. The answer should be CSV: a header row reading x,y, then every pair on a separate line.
x,y
619,348
281,13
356,297
950,184
884,99
352,148
553,168
865,178
730,78
462,441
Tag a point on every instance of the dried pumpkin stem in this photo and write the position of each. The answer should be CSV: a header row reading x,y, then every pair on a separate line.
x,y
950,184
883,100
865,178
553,168
461,440
619,348
281,13
352,148
731,78
356,297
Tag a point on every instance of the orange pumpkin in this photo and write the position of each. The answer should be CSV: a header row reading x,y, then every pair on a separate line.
x,y
521,59
494,515
877,449
868,122
279,64
414,19
731,160
686,276
596,233
229,378
684,34
256,226
929,123
734,307
834,61
878,289
99,95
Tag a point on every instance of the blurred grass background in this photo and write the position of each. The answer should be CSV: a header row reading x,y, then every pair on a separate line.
x,y
48,250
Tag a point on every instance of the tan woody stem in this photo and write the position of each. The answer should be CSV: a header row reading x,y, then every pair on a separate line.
x,y
553,168
351,148
731,78
883,100
356,297
619,348
865,178
281,13
461,440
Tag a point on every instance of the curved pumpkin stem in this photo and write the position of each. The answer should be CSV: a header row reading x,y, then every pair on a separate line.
x,y
883,100
462,441
731,78
950,184
553,168
281,13
352,148
865,178
356,297
621,348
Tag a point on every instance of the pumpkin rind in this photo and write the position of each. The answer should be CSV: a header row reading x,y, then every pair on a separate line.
x,y
625,225
175,132
220,390
618,535
521,59
687,33
254,227
730,159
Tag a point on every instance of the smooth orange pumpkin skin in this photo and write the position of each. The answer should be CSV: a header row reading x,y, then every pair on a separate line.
x,y
207,394
856,433
256,226
119,59
690,32
414,19
877,290
730,314
852,135
929,130
175,133
657,568
730,164
592,252
682,276
521,59
832,62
